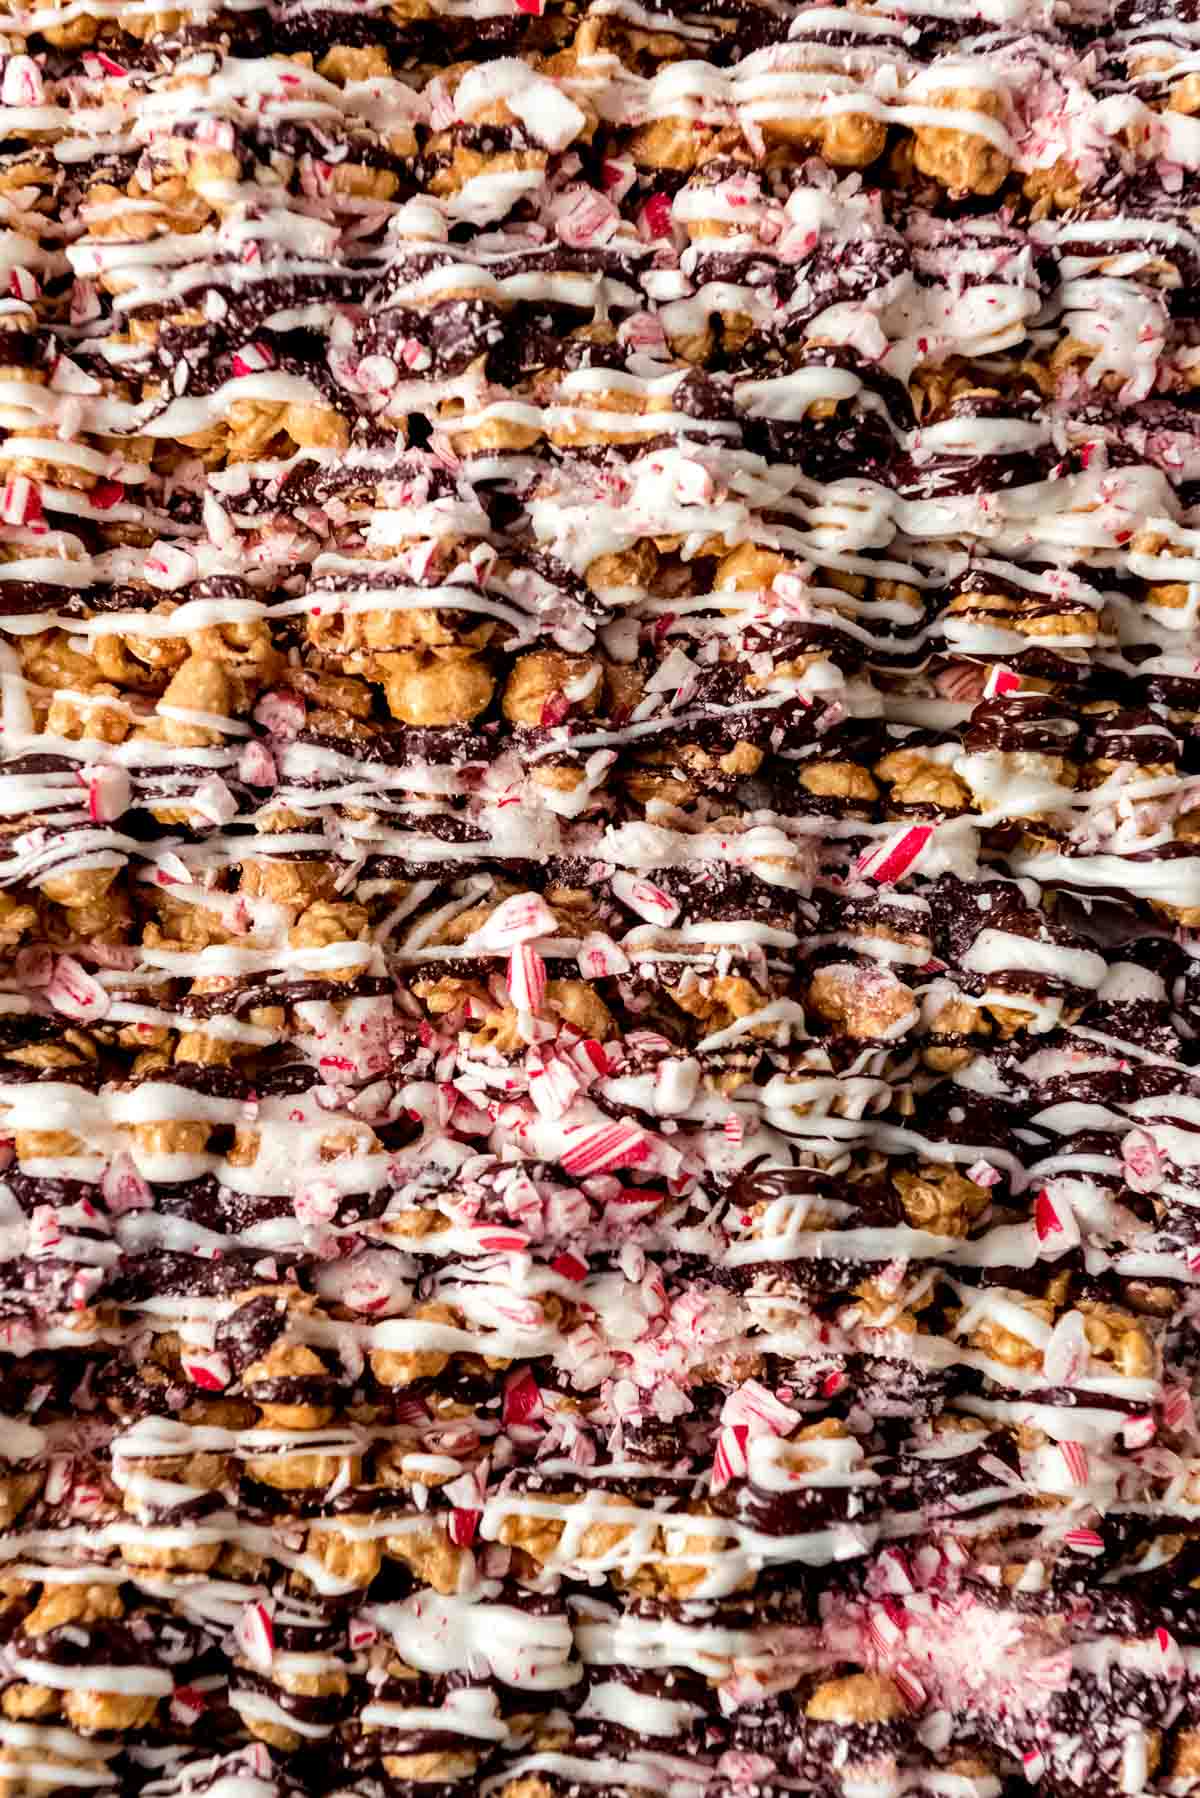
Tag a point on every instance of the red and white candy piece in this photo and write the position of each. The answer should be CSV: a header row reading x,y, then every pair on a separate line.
x,y
1054,1223
21,501
76,993
84,1287
591,1060
1047,1219
585,217
644,331
730,1461
1142,1161
526,978
256,766
1139,1431
212,1373
166,566
1174,1665
890,860
99,65
914,1692
617,175
886,1625
521,919
255,1635
123,1187
503,1242
316,1202
646,899
1066,1355
462,1526
217,133
598,1148
85,302
522,1398
22,84
379,374
655,219
1001,681
983,1173
108,792
1178,1409
214,801
367,1290
1075,1458
754,1405
45,1232
891,1564
253,359
553,1083
171,869
281,714
600,958
188,1705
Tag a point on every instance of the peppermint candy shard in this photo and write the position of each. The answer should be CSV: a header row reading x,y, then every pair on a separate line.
x,y
188,1705
1001,681
647,900
1066,1355
21,501
253,359
22,83
656,216
123,1187
519,919
212,1373
596,1148
1046,1220
522,1398
730,1460
599,957
255,1635
914,1692
1075,1456
890,860
983,1173
462,1526
526,978
1143,1161
76,993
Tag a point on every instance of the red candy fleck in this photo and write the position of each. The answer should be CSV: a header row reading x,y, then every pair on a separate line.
x,y
522,1398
